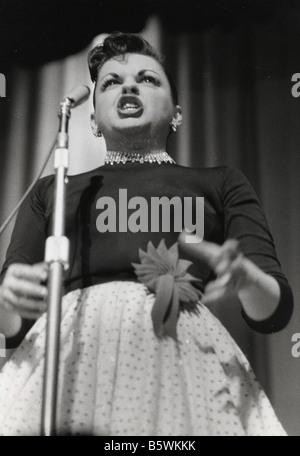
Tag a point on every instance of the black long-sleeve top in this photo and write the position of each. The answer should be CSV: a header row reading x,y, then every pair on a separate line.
x,y
231,210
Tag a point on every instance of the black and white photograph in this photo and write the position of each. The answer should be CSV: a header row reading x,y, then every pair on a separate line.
x,y
150,220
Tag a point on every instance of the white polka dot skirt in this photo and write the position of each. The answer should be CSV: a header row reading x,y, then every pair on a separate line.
x,y
116,378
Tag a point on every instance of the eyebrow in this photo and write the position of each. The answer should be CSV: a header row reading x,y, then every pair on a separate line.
x,y
140,73
115,75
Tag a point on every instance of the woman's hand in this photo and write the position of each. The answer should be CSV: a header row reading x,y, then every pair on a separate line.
x,y
259,293
228,263
22,291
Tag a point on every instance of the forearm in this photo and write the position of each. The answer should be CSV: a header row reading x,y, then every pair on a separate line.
x,y
260,295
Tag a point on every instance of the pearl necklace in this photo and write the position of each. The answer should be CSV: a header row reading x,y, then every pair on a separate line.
x,y
123,157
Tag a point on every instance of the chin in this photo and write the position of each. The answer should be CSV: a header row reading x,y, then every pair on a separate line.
x,y
132,126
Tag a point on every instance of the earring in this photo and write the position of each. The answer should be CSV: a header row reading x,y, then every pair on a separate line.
x,y
96,132
174,125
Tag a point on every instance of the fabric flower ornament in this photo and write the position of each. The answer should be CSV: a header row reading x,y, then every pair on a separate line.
x,y
165,274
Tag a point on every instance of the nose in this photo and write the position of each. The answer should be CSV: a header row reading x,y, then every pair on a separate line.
x,y
130,88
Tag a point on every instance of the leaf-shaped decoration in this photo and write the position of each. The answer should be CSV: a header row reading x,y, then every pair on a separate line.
x,y
157,267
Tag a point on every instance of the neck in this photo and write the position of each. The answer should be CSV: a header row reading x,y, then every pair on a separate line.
x,y
137,145
135,149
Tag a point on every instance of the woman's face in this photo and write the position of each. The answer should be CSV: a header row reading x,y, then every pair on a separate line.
x,y
133,97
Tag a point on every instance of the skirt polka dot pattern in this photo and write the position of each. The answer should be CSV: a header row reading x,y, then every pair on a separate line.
x,y
117,379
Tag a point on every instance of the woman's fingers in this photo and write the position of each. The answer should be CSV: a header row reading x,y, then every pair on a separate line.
x,y
226,261
30,315
229,253
205,251
227,284
218,290
36,273
218,257
22,290
25,288
18,303
214,296
220,282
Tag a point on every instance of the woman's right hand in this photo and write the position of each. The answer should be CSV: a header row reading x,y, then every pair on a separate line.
x,y
22,291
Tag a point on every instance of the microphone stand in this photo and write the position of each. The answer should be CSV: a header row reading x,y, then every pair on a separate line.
x,y
57,256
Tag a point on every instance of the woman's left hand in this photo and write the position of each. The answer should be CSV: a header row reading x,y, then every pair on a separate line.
x,y
228,263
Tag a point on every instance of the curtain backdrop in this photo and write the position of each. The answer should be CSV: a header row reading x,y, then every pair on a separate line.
x,y
235,90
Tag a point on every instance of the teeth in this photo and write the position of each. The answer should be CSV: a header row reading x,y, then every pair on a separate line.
x,y
130,106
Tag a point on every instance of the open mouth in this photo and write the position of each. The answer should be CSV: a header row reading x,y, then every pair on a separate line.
x,y
129,106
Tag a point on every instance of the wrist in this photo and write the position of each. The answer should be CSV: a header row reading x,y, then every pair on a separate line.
x,y
259,294
250,276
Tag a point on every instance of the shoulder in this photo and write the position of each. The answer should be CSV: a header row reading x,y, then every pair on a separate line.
x,y
217,176
41,189
222,184
217,171
46,183
41,185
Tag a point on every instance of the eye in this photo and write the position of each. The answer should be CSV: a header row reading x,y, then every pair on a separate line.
x,y
150,80
109,82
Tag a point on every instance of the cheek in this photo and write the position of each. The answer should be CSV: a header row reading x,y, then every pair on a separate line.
x,y
163,106
102,110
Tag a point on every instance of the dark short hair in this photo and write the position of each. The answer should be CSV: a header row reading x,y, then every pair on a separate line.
x,y
118,44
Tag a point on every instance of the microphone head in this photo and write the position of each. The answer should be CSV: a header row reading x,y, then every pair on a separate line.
x,y
78,95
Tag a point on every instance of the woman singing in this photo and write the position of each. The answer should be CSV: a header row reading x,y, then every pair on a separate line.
x,y
141,353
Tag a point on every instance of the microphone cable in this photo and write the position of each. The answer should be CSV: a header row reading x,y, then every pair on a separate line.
x,y
15,210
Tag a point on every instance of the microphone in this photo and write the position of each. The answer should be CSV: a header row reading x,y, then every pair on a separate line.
x,y
75,98
78,95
